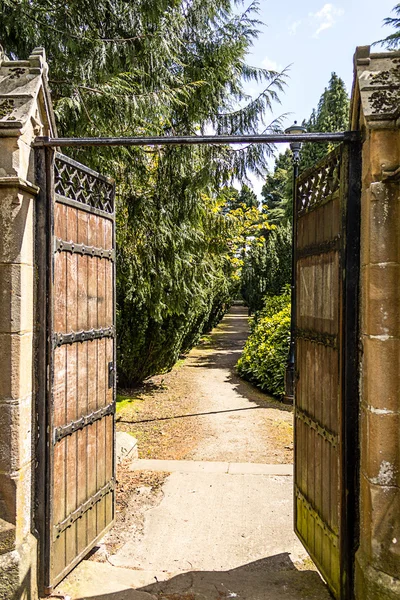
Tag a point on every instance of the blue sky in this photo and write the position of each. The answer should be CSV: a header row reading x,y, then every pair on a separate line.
x,y
315,38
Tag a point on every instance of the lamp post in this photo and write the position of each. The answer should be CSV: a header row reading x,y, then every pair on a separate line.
x,y
295,147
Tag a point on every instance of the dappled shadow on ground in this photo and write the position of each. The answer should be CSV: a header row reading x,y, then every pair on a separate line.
x,y
272,578
223,349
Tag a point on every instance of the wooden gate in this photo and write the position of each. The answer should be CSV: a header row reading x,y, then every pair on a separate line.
x,y
75,362
326,398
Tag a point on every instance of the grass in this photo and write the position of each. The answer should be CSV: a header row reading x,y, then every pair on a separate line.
x,y
127,402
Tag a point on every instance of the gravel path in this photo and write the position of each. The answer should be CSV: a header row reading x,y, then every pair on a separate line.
x,y
240,423
202,410
208,513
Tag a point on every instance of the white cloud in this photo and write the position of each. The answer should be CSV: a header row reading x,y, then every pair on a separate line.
x,y
325,18
271,65
294,26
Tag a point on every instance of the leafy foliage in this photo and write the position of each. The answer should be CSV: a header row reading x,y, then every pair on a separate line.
x,y
264,357
159,67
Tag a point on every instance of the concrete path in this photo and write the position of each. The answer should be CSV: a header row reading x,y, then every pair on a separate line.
x,y
223,527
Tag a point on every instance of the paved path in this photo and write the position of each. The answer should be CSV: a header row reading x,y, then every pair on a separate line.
x,y
243,424
223,527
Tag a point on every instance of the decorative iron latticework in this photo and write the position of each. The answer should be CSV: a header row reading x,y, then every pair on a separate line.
x,y
318,184
80,184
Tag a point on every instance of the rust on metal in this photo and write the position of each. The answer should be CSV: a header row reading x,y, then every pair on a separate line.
x,y
313,424
83,508
64,430
82,336
64,246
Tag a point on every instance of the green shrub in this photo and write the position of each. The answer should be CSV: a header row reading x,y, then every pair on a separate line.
x,y
264,357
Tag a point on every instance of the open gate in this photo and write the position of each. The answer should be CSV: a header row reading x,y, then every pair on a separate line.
x,y
326,400
75,256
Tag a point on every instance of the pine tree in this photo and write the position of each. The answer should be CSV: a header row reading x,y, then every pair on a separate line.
x,y
392,41
248,197
277,191
157,67
331,115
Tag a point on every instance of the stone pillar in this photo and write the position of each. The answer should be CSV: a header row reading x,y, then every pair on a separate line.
x,y
24,113
376,98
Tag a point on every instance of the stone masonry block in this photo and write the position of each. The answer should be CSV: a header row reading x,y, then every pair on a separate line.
x,y
16,370
16,500
7,537
372,584
9,157
384,151
18,572
381,374
381,516
365,227
380,443
15,434
16,298
365,516
16,225
384,220
381,300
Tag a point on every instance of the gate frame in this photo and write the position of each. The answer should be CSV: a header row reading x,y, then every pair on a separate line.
x,y
351,370
44,159
44,162
350,364
44,223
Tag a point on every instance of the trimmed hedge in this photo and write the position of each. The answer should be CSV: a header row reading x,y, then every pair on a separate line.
x,y
264,357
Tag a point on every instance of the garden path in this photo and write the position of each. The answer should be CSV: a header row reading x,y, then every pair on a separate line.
x,y
217,524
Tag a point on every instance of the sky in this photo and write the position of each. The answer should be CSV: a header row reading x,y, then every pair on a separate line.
x,y
316,38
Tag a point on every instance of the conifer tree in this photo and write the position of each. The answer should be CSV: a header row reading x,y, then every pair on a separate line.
x,y
157,67
331,115
392,41
277,190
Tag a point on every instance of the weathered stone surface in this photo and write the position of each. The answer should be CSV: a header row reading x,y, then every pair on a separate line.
x,y
25,112
16,298
16,372
16,222
376,91
381,434
383,236
126,446
16,500
381,374
7,537
16,440
379,85
381,299
372,584
18,572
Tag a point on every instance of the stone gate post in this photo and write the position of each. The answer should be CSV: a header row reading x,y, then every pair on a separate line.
x,y
25,112
376,112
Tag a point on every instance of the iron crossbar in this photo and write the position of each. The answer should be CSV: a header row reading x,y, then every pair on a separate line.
x,y
278,138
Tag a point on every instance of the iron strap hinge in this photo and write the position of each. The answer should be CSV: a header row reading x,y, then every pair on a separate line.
x,y
324,433
82,509
317,518
64,430
316,249
63,246
82,336
318,337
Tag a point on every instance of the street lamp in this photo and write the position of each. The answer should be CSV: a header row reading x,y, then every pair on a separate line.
x,y
295,147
